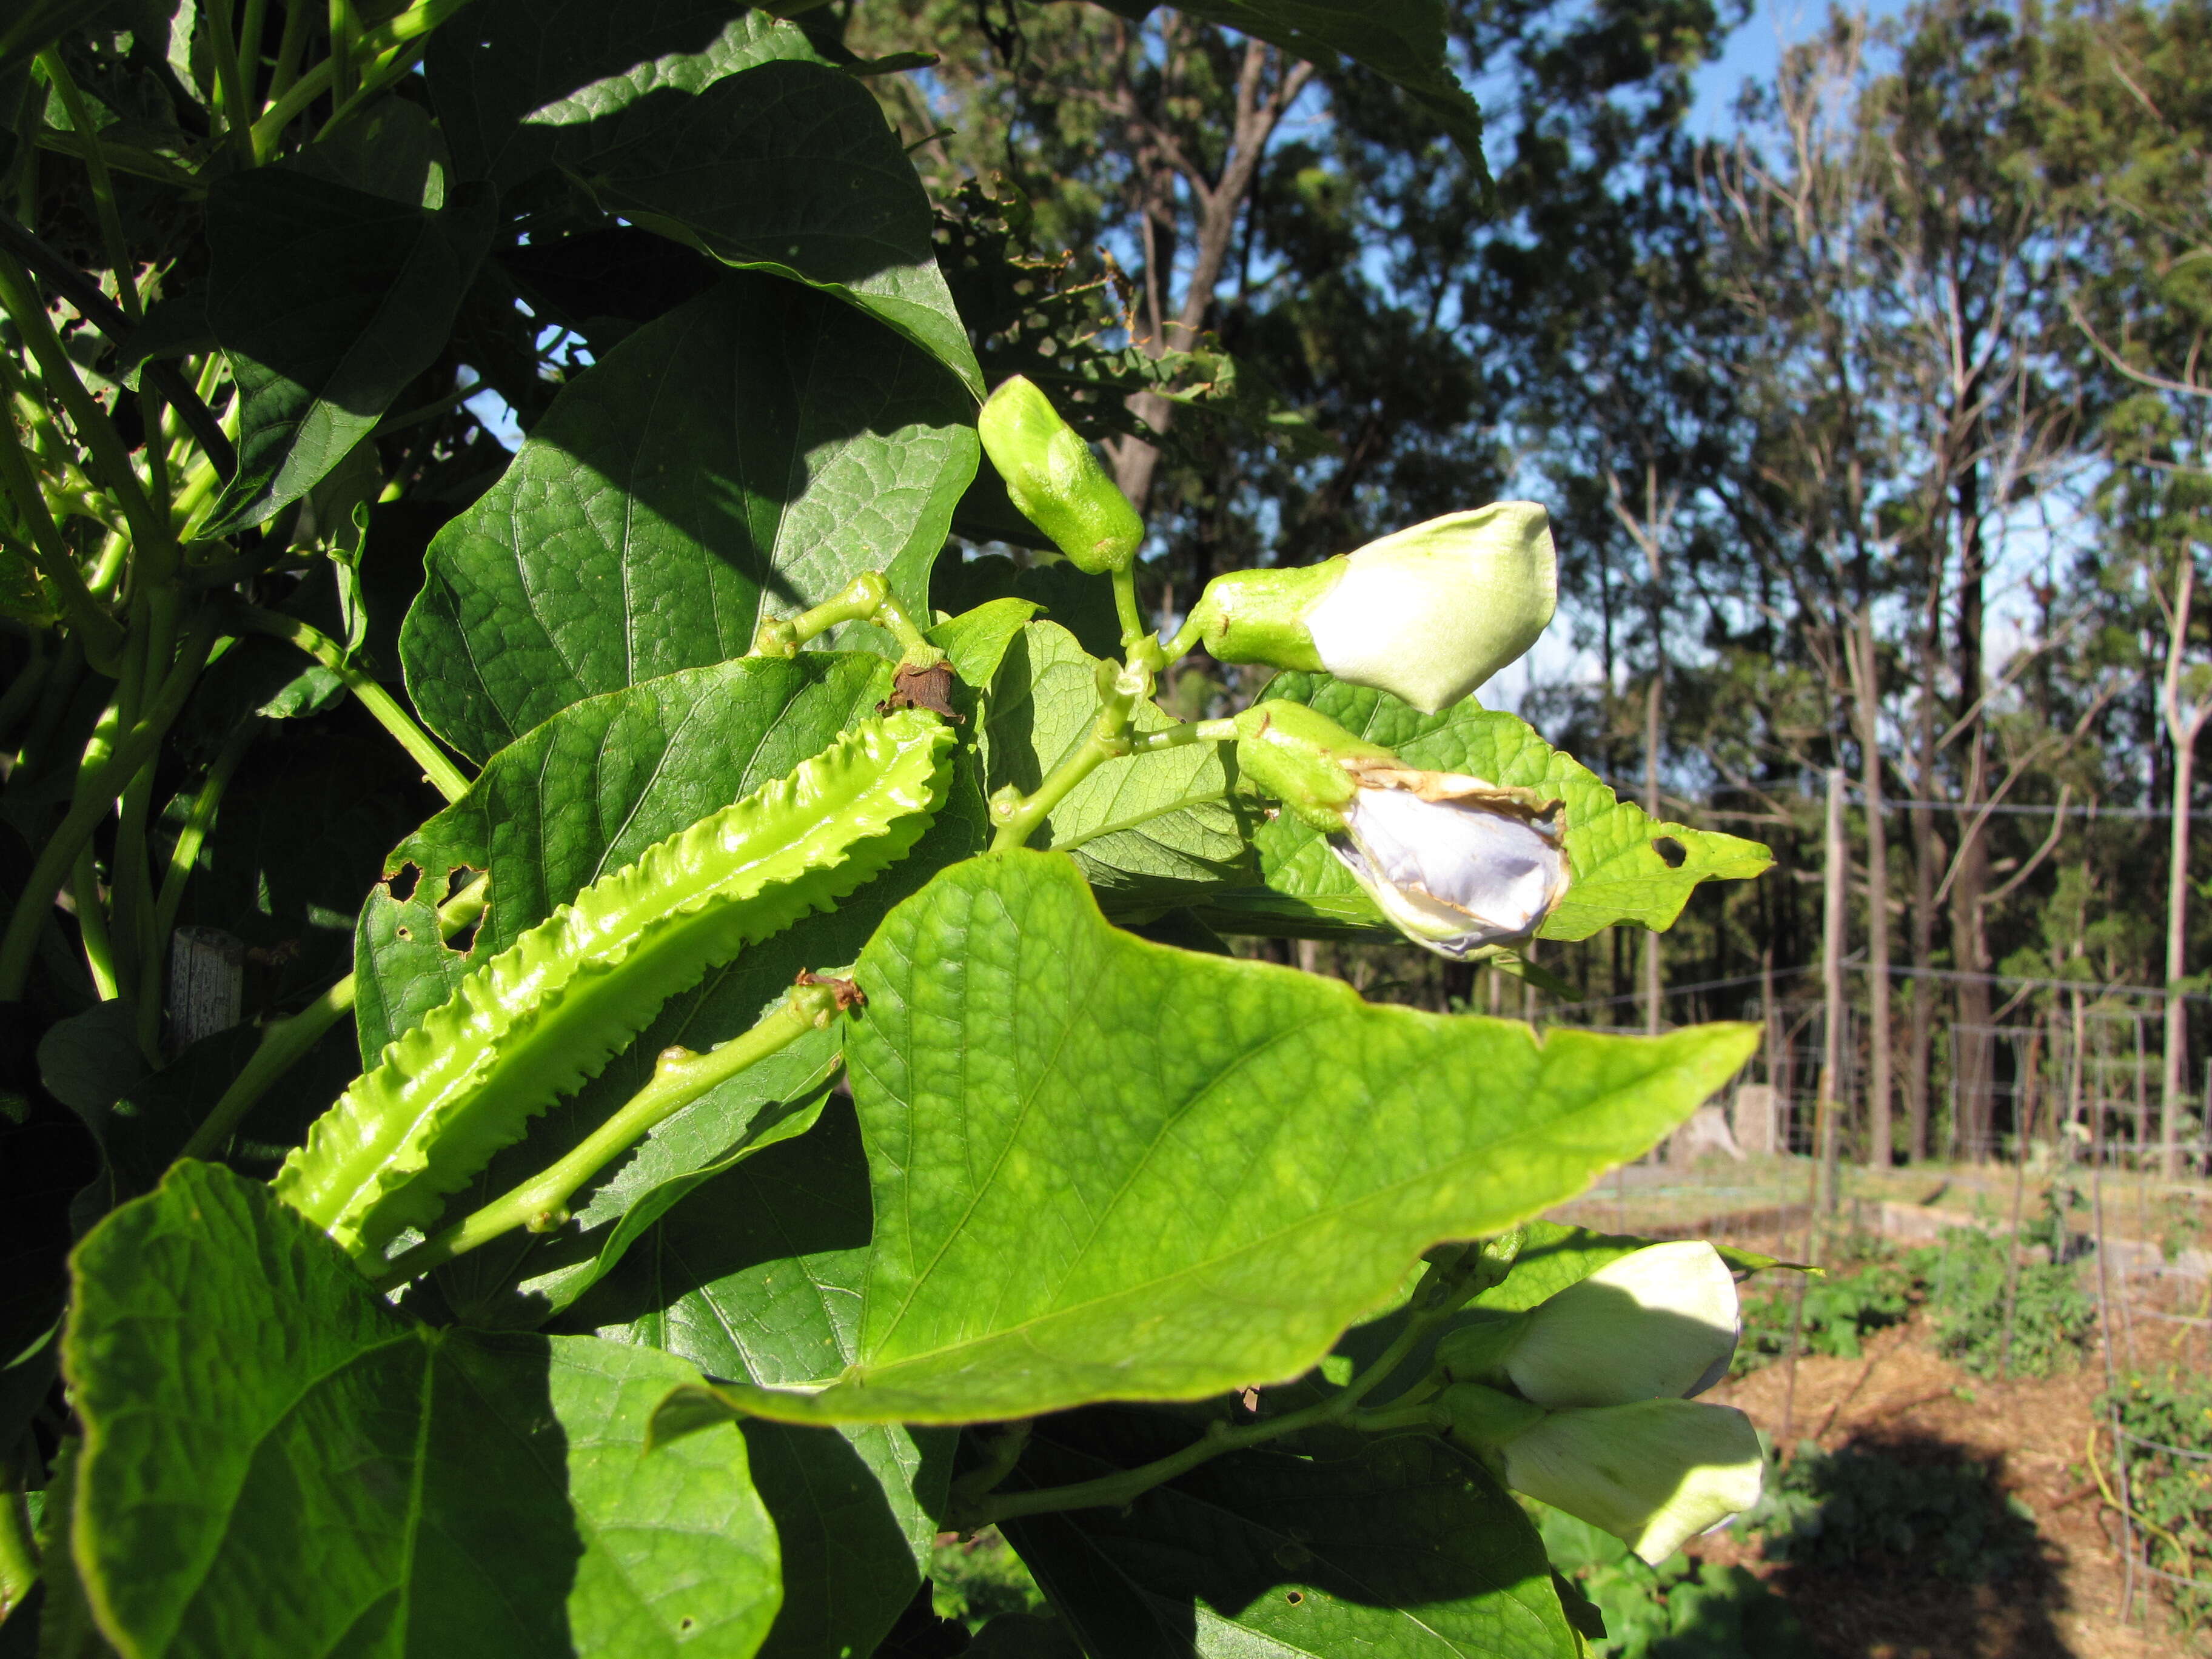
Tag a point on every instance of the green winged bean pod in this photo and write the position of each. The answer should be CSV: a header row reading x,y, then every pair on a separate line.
x,y
547,1013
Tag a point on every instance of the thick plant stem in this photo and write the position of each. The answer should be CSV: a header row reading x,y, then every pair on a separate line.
x,y
446,777
681,1076
1119,691
95,799
92,926
103,183
1442,1292
292,98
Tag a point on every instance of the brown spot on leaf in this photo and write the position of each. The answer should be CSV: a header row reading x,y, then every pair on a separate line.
x,y
927,687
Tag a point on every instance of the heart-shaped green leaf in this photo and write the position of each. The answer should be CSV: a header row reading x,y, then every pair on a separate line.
x,y
1106,1168
748,452
275,1462
790,167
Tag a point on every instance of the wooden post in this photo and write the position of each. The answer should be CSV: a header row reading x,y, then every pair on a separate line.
x,y
1835,881
1878,1147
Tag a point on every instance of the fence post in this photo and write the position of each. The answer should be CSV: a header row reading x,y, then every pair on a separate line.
x,y
1835,877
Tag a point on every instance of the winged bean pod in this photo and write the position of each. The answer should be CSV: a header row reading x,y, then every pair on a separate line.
x,y
547,1013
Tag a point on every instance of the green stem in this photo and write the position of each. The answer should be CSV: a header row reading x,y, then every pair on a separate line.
x,y
182,859
101,634
447,778
92,926
283,1042
249,31
1186,638
540,1204
95,799
103,183
1189,731
1134,630
230,83
1119,691
345,32
867,597
157,548
23,690
294,98
1435,1298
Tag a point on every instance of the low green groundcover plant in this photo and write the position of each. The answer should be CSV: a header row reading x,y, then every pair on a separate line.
x,y
799,1099
1840,1310
1968,1284
2169,1484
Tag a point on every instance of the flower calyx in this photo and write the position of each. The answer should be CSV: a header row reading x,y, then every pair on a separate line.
x,y
1427,614
1055,482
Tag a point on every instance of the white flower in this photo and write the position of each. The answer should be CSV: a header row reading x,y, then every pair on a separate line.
x,y
1654,1474
1455,863
1657,1322
1431,612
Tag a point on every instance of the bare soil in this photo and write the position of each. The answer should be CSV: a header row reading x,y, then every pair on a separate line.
x,y
2034,1436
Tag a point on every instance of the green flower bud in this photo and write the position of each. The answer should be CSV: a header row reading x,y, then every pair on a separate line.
x,y
1657,1322
1056,482
1483,1419
1427,614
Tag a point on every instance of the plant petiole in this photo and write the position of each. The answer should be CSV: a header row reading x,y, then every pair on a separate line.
x,y
1120,689
1442,1291
437,767
867,597
1189,731
540,1204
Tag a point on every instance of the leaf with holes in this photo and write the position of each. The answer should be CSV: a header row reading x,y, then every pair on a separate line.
x,y
579,798
1109,1169
254,1416
1627,867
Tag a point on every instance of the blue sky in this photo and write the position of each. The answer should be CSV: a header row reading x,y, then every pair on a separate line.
x,y
1754,50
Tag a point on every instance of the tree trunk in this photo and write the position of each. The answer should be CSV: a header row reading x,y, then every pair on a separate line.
x,y
1651,960
1970,1043
1928,854
1878,1148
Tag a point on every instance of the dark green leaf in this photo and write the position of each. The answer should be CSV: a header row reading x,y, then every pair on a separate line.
x,y
1407,1549
790,167
1111,1169
1628,868
255,1416
327,301
758,1275
37,24
1402,41
520,85
747,454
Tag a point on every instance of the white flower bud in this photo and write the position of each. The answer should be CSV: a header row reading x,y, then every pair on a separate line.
x,y
1431,612
1654,1474
1456,863
1657,1322
1427,614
